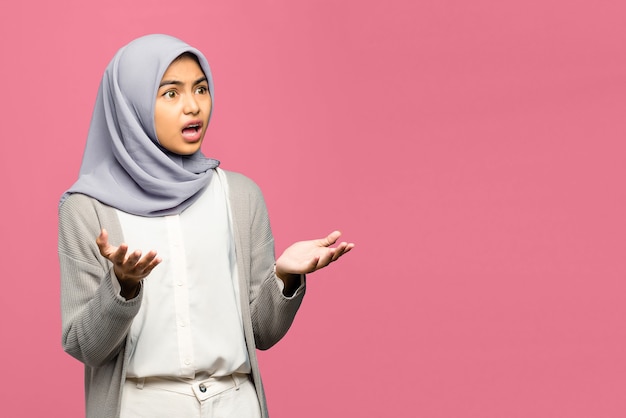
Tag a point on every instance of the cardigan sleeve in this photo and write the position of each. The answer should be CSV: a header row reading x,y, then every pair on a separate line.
x,y
95,320
271,312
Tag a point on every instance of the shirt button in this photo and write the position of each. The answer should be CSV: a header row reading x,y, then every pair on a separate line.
x,y
202,387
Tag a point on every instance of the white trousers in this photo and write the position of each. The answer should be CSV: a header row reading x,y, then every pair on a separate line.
x,y
231,396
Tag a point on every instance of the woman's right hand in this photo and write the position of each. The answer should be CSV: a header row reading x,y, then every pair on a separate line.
x,y
130,269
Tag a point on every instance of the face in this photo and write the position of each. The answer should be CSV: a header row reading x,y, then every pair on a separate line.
x,y
182,107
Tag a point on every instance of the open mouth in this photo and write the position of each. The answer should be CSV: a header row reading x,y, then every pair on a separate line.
x,y
192,128
192,131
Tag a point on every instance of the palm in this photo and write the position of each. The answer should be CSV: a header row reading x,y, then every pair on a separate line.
x,y
308,256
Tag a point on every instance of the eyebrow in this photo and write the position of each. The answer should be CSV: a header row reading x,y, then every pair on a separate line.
x,y
180,83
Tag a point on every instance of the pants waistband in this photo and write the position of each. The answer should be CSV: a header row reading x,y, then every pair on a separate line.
x,y
202,389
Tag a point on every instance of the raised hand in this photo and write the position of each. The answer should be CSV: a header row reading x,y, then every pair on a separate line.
x,y
308,256
130,269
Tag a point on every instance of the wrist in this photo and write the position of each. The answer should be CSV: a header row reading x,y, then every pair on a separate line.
x,y
130,291
291,282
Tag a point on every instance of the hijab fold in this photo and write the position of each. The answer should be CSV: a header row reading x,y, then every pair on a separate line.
x,y
123,165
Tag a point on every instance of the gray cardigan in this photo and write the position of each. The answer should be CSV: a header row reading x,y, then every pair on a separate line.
x,y
95,321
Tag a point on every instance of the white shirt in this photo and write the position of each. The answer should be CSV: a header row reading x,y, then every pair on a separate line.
x,y
190,319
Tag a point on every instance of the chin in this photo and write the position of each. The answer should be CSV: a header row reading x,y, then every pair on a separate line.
x,y
187,152
189,148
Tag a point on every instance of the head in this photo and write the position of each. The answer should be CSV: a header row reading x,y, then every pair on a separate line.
x,y
183,106
169,86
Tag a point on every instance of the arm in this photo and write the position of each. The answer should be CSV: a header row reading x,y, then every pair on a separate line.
x,y
269,311
273,309
297,260
95,318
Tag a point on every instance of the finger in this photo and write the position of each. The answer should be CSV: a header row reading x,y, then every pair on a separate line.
x,y
103,239
348,248
330,239
103,244
119,255
326,258
339,251
314,264
133,258
342,249
152,265
148,260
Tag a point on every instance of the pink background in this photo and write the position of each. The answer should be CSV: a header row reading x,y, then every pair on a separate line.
x,y
474,151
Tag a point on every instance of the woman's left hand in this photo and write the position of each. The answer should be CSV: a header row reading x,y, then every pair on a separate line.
x,y
308,256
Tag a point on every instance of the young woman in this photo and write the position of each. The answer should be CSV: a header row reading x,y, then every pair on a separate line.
x,y
169,280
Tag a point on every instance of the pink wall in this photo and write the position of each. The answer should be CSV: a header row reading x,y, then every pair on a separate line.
x,y
474,151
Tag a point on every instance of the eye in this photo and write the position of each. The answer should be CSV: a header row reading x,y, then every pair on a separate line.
x,y
202,90
170,94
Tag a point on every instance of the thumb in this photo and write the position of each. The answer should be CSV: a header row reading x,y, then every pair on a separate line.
x,y
103,243
331,238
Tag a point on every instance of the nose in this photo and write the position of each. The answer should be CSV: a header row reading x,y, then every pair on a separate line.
x,y
191,106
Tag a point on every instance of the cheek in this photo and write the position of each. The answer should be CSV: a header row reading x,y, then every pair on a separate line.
x,y
162,120
208,109
158,118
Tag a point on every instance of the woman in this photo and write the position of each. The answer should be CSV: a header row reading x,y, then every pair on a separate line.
x,y
169,280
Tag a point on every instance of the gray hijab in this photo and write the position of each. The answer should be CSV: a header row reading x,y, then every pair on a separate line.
x,y
123,164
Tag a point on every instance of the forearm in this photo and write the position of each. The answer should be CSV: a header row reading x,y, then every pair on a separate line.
x,y
289,283
273,313
96,320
